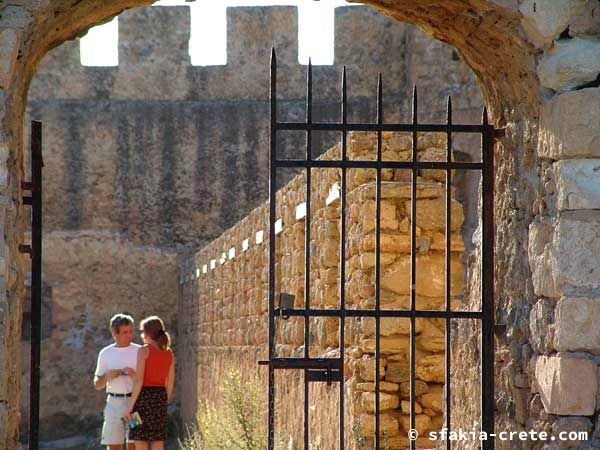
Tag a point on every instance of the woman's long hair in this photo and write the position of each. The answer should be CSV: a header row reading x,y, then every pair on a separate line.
x,y
154,328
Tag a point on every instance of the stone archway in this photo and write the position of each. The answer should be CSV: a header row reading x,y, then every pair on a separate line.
x,y
501,42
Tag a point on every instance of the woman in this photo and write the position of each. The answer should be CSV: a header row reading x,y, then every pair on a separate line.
x,y
154,386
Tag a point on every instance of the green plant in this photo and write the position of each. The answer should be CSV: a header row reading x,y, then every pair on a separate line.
x,y
238,422
359,438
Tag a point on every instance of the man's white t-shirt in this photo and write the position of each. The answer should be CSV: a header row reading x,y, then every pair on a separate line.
x,y
116,358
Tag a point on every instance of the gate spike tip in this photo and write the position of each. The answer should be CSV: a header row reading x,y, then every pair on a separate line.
x,y
414,103
484,118
449,108
273,56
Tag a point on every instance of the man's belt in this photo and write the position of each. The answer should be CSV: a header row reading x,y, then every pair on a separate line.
x,y
112,394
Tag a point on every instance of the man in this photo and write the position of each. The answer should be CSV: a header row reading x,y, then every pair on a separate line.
x,y
115,372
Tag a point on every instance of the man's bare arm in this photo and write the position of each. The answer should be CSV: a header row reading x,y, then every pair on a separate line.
x,y
100,380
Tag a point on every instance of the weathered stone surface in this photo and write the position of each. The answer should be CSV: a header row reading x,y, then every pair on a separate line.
x,y
386,401
430,275
421,388
388,425
431,368
541,258
367,367
565,425
398,372
422,423
389,326
540,319
431,214
9,47
577,184
568,386
384,386
400,189
570,64
568,125
434,399
405,407
588,22
576,325
564,258
545,20
387,344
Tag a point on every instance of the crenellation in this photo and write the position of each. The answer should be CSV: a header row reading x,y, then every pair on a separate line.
x,y
253,31
156,36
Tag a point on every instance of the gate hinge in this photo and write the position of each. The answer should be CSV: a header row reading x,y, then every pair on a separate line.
x,y
24,248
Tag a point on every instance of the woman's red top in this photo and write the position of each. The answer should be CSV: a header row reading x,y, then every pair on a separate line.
x,y
157,366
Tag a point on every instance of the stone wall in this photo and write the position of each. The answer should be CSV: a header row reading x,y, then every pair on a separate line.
x,y
225,303
87,278
171,153
564,237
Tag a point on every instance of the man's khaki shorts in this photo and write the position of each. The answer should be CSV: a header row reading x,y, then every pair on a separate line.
x,y
113,429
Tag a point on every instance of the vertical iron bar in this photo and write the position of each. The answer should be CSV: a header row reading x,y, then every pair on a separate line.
x,y
307,252
377,258
343,260
413,249
448,263
272,199
487,284
36,282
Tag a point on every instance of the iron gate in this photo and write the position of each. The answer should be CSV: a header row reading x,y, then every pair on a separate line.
x,y
35,253
332,369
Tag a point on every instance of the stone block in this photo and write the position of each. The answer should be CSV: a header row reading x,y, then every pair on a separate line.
x,y
386,401
431,214
434,399
366,367
567,386
564,256
569,125
430,275
570,64
387,345
576,325
540,318
388,425
422,423
545,20
421,388
577,184
588,22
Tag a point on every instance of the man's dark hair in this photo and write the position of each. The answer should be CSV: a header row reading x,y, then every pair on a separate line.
x,y
118,320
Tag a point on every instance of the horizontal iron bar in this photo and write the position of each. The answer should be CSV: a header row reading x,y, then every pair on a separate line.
x,y
365,164
325,376
381,313
27,200
303,363
407,127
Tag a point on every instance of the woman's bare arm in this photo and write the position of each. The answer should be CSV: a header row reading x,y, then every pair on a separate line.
x,y
139,375
171,380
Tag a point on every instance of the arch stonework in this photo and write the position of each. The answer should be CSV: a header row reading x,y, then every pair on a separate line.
x,y
530,58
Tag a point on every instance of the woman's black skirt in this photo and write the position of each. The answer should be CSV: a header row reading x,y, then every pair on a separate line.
x,y
151,405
